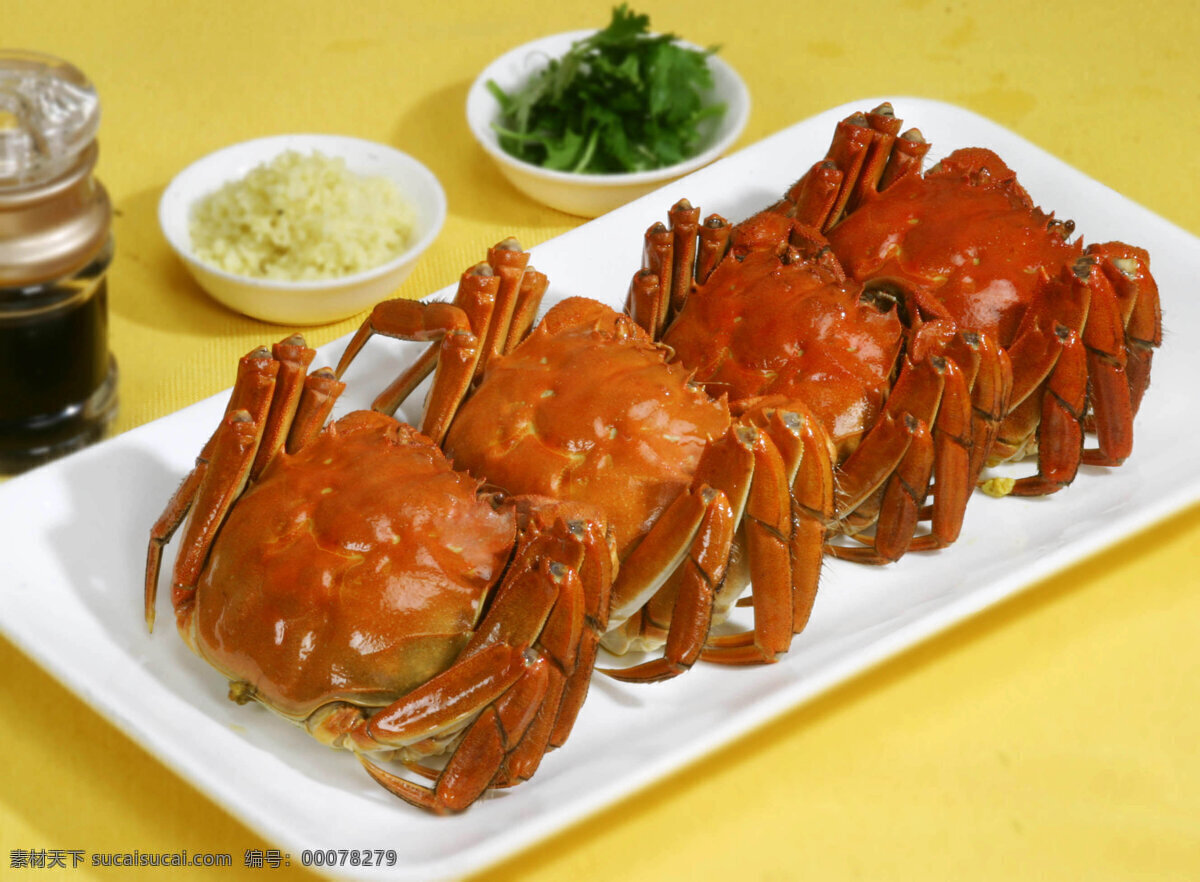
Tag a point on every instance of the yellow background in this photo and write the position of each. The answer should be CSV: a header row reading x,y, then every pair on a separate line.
x,y
1053,737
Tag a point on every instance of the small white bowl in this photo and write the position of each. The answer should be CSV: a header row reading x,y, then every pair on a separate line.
x,y
590,195
307,302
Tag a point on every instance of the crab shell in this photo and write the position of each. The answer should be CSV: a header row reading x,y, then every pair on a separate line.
x,y
767,326
351,571
965,239
586,409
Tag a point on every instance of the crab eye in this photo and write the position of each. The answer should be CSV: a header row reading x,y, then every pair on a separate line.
x,y
1061,228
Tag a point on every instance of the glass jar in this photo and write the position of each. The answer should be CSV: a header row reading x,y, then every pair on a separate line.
x,y
58,379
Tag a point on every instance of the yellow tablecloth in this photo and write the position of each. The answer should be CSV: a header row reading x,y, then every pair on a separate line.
x,y
1054,737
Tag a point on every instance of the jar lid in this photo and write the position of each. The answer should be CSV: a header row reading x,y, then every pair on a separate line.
x,y
49,114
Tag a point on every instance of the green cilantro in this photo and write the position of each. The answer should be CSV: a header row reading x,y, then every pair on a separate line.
x,y
621,100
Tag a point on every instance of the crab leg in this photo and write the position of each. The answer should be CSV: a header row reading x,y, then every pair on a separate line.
x,y
532,629
1034,351
657,258
812,198
852,140
596,575
768,532
1112,405
713,242
1060,430
900,507
700,574
401,389
806,451
700,592
988,374
457,355
861,148
704,572
948,409
492,661
320,393
563,639
685,224
229,470
478,288
476,295
252,393
496,303
866,156
727,463
655,558
876,457
558,643
166,525
293,357
644,301
529,299
482,750
1128,269
908,152
442,703
814,493
919,399
1055,361
672,257
1118,286
508,262
584,545
953,479
885,126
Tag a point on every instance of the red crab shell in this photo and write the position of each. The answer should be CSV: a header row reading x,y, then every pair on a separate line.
x,y
569,415
353,570
764,326
965,239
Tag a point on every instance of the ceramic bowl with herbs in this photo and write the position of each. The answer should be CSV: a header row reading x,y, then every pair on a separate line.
x,y
588,120
302,229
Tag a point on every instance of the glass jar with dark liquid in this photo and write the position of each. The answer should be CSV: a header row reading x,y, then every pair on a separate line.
x,y
57,376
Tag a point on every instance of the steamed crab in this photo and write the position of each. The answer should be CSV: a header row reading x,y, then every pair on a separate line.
x,y
763,310
586,409
1010,339
349,579
965,244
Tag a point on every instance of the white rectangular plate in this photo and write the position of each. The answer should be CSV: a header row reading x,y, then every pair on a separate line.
x,y
75,537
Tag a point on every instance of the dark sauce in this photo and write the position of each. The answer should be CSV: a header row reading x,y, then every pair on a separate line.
x,y
57,377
